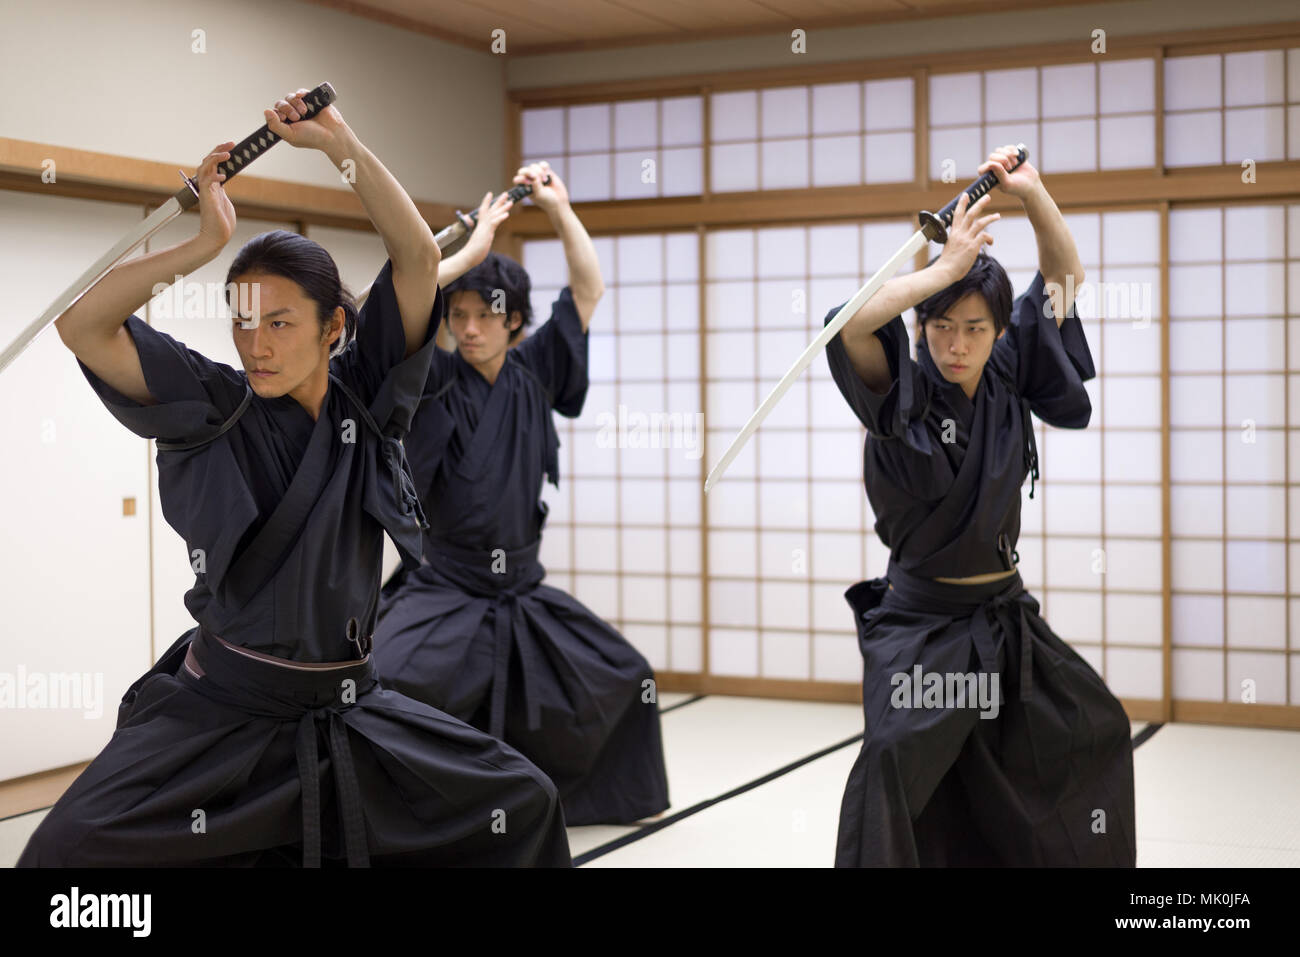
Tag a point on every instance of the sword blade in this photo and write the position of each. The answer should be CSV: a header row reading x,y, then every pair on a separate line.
x,y
83,283
814,349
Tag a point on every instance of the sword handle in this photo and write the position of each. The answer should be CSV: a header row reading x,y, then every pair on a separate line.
x,y
465,222
259,142
516,193
935,225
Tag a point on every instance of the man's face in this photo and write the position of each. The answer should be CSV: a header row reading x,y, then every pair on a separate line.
x,y
287,346
481,335
961,341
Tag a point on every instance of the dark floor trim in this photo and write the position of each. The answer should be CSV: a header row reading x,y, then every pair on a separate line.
x,y
649,829
1146,734
25,813
683,704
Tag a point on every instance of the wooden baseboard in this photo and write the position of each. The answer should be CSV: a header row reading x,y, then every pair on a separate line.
x,y
1279,716
35,791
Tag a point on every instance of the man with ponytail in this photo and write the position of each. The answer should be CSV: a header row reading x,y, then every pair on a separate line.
x,y
262,736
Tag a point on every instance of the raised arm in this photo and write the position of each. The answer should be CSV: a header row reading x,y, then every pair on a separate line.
x,y
94,327
1058,256
965,238
579,252
407,237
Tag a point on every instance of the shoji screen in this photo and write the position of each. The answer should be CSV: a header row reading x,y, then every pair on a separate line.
x,y
828,134
636,149
1091,536
623,534
1229,107
1073,117
1234,353
74,567
789,527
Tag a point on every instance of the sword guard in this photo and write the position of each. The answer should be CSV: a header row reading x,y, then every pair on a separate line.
x,y
933,227
192,184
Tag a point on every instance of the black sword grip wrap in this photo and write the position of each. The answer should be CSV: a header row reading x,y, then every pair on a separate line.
x,y
254,146
515,193
938,223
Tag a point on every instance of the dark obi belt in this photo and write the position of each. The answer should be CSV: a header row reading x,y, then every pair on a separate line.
x,y
283,690
1002,602
503,577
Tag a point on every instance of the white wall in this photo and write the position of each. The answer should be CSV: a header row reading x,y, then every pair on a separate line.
x,y
121,78
74,581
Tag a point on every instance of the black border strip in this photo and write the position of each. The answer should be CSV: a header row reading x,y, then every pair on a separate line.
x,y
34,810
1146,734
683,704
649,829
1139,739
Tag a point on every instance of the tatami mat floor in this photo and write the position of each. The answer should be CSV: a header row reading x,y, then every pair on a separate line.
x,y
1207,796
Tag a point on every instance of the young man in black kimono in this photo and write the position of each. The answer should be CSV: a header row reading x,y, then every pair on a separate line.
x,y
262,736
474,631
1036,767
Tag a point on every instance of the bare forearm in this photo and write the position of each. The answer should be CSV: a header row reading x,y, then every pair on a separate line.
x,y
1058,256
407,237
127,287
580,253
453,267
894,298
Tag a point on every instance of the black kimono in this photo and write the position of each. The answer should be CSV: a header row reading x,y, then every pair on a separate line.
x,y
474,631
221,748
1047,778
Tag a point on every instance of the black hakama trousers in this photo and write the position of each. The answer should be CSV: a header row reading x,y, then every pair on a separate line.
x,y
227,760
1047,782
481,638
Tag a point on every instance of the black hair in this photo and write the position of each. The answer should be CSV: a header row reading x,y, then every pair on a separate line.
x,y
295,257
496,272
986,277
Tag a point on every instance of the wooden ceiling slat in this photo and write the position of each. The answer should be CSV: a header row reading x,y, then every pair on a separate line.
x,y
684,15
799,12
588,19
558,26
461,22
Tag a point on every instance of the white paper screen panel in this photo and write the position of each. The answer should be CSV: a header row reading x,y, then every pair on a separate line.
x,y
1090,538
623,531
1074,117
790,525
828,134
634,149
1232,107
1233,274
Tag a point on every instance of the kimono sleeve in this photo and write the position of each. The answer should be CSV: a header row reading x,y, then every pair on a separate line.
x,y
899,412
557,354
194,394
375,363
1048,364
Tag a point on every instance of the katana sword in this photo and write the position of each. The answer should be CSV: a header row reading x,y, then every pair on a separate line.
x,y
934,227
187,197
463,226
